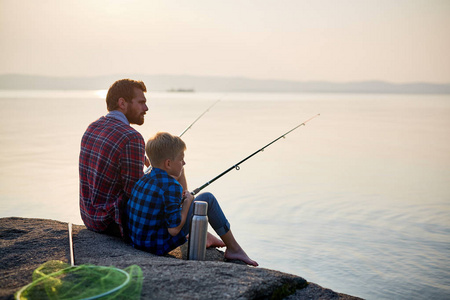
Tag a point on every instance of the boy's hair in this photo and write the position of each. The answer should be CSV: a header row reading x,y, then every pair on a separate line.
x,y
163,146
123,88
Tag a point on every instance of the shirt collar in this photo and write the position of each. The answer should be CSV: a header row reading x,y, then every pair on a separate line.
x,y
118,115
157,171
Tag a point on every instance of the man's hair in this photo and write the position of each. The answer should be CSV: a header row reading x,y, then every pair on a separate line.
x,y
123,88
163,146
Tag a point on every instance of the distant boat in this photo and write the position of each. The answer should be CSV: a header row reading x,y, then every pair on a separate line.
x,y
181,90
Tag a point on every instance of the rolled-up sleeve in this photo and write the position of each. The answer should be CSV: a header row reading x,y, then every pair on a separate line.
x,y
172,209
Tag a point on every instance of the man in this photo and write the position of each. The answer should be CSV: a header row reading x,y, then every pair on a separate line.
x,y
112,158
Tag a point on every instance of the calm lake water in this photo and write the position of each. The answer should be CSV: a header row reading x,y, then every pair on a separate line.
x,y
358,200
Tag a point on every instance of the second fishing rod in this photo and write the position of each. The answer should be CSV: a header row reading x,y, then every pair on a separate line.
x,y
236,166
189,127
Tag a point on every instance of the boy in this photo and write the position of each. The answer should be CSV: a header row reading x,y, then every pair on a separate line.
x,y
158,219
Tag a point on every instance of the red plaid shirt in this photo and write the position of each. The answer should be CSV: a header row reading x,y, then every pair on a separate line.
x,y
111,161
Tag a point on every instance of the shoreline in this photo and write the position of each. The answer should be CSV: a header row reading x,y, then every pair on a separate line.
x,y
26,243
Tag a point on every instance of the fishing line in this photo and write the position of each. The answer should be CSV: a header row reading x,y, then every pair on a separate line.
x,y
236,166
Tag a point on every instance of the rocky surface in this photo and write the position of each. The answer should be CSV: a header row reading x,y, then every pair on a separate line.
x,y
27,243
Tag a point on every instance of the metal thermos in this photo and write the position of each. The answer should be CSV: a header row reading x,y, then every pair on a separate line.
x,y
198,231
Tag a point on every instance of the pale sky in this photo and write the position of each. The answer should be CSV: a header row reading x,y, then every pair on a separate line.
x,y
334,40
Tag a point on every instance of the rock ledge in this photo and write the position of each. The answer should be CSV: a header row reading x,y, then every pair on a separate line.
x,y
27,243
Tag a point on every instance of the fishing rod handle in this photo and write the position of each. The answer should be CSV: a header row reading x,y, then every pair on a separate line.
x,y
197,190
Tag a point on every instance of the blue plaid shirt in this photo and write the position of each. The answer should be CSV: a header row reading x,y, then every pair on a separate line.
x,y
153,207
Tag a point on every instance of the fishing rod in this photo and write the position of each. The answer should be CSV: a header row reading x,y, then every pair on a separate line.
x,y
236,166
189,127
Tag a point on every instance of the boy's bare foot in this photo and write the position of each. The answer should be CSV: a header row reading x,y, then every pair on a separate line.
x,y
240,255
212,241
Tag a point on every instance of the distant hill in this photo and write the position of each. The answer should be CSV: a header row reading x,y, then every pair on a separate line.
x,y
217,84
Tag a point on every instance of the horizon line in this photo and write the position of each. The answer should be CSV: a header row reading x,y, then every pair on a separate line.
x,y
230,77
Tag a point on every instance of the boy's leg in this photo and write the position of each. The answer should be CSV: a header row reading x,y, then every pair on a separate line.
x,y
214,213
221,226
234,250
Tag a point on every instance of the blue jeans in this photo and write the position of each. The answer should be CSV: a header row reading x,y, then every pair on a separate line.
x,y
216,218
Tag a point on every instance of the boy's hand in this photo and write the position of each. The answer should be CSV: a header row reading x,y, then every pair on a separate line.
x,y
187,198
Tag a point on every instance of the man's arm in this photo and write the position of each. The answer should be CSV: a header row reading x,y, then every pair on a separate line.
x,y
132,164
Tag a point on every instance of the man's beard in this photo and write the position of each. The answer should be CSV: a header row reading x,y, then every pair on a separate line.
x,y
135,118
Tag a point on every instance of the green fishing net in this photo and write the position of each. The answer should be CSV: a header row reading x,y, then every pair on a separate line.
x,y
58,280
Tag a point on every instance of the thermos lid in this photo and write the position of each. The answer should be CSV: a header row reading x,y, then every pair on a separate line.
x,y
200,208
